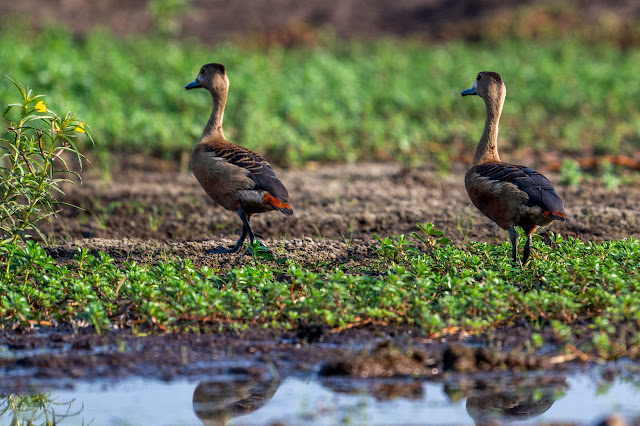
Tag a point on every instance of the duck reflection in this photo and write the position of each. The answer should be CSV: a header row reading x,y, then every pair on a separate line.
x,y
215,401
495,404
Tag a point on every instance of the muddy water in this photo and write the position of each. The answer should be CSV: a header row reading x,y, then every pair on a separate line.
x,y
577,397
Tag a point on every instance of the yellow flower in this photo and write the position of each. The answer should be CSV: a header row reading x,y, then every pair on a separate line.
x,y
41,107
80,127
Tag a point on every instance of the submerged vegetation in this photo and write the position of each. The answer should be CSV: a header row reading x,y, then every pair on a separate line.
x,y
425,283
338,101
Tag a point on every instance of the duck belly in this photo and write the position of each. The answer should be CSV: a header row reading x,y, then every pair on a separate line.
x,y
224,182
501,202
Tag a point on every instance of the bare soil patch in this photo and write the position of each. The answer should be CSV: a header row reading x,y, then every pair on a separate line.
x,y
150,211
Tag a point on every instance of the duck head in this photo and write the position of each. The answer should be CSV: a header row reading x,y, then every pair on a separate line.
x,y
212,77
490,87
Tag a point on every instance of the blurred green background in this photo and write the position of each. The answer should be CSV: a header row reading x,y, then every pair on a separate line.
x,y
305,88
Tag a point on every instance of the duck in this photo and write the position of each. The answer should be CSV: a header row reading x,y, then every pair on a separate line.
x,y
235,177
510,195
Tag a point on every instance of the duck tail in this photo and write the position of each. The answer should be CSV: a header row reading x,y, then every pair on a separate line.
x,y
556,215
272,201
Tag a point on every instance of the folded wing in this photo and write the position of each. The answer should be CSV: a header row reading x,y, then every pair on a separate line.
x,y
259,171
540,191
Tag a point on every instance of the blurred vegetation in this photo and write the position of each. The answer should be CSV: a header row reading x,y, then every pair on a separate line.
x,y
337,101
166,15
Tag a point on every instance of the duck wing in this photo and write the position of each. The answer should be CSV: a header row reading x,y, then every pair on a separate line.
x,y
540,191
259,171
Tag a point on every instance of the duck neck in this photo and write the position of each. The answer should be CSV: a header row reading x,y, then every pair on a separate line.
x,y
214,125
487,151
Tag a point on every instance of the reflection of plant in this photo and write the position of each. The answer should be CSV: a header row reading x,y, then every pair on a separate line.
x,y
31,163
36,409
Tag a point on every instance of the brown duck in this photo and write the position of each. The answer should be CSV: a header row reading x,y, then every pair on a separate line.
x,y
508,194
233,176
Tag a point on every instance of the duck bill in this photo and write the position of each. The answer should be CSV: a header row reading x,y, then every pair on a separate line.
x,y
469,91
193,85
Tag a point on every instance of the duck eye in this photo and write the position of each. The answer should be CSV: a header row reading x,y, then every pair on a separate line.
x,y
478,77
202,71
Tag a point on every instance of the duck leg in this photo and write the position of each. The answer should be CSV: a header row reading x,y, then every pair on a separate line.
x,y
236,247
246,230
246,221
527,246
527,250
513,235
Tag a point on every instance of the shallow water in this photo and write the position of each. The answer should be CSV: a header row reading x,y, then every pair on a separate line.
x,y
244,400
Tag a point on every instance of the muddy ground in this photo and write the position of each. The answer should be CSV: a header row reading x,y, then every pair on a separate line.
x,y
56,358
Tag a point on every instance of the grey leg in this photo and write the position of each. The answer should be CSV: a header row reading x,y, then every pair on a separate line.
x,y
527,250
246,220
513,235
236,247
246,230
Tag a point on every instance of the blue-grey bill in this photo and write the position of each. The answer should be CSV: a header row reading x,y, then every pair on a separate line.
x,y
193,85
469,91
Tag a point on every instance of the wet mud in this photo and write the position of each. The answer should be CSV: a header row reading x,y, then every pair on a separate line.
x,y
56,358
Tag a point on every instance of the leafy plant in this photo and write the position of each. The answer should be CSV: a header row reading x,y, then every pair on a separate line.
x,y
609,176
572,287
33,163
570,173
433,236
394,250
259,251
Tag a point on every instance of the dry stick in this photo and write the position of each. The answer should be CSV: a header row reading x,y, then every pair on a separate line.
x,y
120,284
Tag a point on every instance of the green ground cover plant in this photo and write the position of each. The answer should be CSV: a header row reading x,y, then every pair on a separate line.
x,y
339,101
422,282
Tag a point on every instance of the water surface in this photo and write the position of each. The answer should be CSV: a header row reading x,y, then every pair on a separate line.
x,y
240,399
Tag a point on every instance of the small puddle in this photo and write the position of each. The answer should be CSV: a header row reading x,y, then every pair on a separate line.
x,y
237,399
